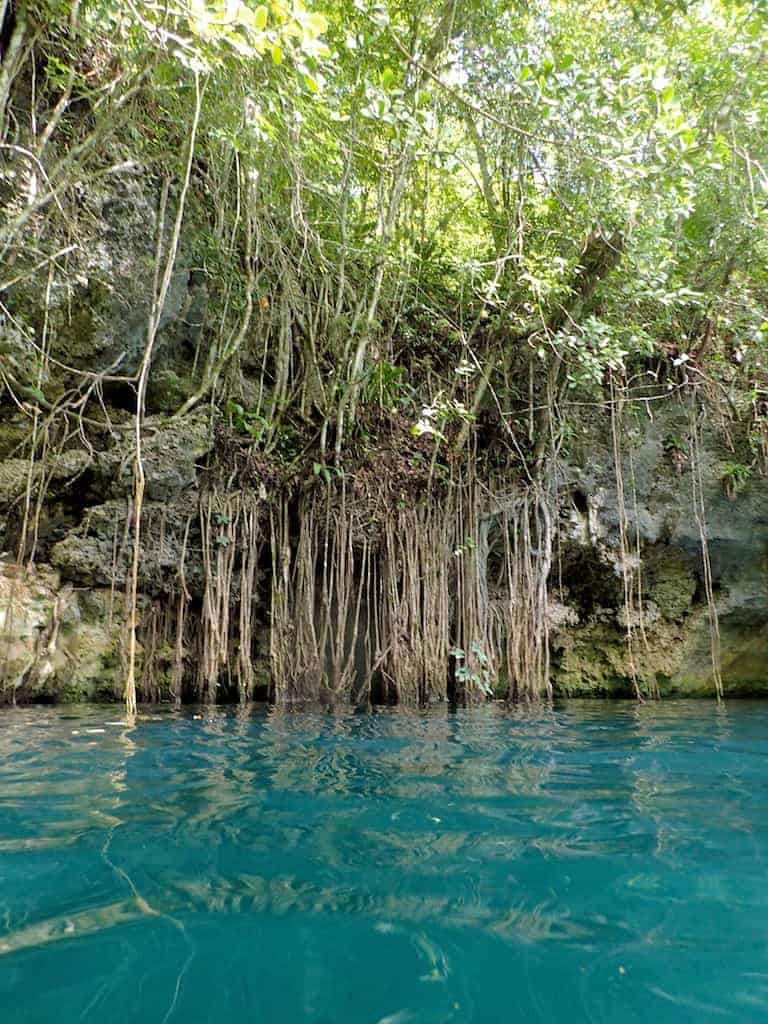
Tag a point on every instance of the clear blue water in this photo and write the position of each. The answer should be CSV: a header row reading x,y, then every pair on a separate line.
x,y
592,863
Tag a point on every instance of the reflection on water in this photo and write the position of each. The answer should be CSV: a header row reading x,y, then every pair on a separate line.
x,y
593,862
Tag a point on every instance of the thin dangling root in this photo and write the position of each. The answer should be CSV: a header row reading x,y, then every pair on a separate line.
x,y
700,517
617,408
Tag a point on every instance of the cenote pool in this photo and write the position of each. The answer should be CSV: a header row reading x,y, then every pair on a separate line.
x,y
594,863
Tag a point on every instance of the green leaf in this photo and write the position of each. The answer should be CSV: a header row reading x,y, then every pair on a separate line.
x,y
311,82
316,23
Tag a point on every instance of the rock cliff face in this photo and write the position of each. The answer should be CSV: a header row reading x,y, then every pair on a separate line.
x,y
59,642
61,622
671,627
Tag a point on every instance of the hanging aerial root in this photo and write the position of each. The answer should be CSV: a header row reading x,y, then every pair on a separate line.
x,y
476,658
317,596
520,613
415,618
232,536
627,569
700,517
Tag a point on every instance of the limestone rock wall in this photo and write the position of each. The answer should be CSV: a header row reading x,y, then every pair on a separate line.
x,y
57,642
671,647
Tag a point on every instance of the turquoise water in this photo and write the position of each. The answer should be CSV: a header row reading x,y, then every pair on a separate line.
x,y
592,863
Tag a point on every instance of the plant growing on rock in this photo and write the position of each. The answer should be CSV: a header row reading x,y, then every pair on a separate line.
x,y
735,477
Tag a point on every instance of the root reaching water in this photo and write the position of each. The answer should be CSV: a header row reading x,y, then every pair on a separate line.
x,y
520,618
700,517
317,592
414,626
617,409
406,615
364,595
231,533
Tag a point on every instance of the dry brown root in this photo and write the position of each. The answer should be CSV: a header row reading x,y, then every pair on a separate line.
x,y
521,616
415,606
232,537
317,596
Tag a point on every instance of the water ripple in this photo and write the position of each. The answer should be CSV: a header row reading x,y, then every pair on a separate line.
x,y
589,863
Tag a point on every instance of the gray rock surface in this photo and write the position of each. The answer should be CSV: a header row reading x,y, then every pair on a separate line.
x,y
672,644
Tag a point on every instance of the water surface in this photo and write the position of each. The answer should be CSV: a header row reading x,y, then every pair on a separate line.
x,y
598,863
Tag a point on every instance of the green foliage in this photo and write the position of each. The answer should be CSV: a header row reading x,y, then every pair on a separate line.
x,y
468,545
674,443
735,476
244,422
591,348
416,232
326,473
473,670
387,385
